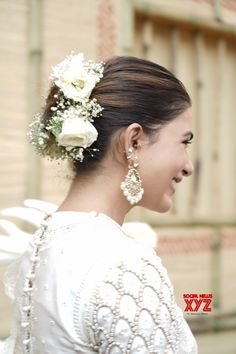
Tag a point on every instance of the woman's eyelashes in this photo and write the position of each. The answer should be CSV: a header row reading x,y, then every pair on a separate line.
x,y
189,139
187,142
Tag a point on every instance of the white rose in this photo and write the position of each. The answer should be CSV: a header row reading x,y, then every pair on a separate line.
x,y
77,133
73,78
78,87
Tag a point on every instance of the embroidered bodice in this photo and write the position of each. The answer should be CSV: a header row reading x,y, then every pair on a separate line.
x,y
84,286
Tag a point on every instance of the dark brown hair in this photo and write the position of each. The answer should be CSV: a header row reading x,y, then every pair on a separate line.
x,y
131,90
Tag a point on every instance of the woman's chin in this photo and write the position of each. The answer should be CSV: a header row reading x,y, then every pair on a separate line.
x,y
167,203
160,204
162,207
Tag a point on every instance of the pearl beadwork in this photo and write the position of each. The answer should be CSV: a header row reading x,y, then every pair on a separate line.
x,y
135,334
27,310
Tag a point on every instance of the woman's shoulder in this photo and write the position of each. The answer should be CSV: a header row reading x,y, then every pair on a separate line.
x,y
92,229
96,239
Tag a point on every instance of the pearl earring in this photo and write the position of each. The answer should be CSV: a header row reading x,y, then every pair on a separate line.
x,y
132,185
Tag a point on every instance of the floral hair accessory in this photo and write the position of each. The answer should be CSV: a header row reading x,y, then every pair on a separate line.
x,y
69,130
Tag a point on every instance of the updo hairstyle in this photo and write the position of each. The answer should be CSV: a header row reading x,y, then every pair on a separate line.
x,y
131,90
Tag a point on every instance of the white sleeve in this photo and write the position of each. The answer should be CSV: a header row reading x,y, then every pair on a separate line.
x,y
133,311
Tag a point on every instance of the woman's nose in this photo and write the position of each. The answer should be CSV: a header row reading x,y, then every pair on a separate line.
x,y
188,169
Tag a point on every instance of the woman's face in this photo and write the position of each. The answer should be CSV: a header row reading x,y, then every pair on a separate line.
x,y
165,162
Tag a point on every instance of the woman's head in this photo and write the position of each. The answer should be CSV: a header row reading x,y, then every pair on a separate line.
x,y
146,108
131,90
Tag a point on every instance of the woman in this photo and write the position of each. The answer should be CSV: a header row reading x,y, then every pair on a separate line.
x,y
84,286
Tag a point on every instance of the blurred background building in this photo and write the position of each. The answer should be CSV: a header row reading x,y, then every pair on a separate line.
x,y
196,39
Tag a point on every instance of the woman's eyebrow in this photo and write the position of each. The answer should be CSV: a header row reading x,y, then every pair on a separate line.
x,y
188,133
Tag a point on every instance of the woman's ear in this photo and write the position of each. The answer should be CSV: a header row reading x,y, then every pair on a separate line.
x,y
133,137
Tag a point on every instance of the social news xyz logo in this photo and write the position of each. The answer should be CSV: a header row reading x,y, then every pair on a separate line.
x,y
198,302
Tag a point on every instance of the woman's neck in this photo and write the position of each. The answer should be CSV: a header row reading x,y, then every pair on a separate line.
x,y
100,193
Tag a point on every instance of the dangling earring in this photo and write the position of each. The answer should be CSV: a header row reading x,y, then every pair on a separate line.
x,y
132,185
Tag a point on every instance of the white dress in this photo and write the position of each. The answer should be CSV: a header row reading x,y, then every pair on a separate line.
x,y
84,286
